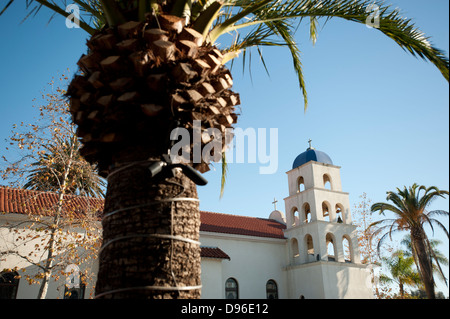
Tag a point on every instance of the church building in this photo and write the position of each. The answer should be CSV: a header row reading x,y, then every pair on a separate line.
x,y
310,251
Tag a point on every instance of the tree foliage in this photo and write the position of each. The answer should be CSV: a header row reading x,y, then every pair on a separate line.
x,y
401,271
47,173
38,152
59,229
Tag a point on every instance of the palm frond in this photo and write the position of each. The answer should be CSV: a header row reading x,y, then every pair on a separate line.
x,y
206,19
224,174
382,207
272,33
431,194
383,238
113,13
49,171
313,33
392,24
6,6
437,261
281,29
438,213
90,15
440,225
378,227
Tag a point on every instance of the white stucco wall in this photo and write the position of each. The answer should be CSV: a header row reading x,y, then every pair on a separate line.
x,y
11,241
329,280
254,260
213,287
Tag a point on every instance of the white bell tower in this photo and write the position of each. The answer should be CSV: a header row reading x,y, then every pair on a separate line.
x,y
324,260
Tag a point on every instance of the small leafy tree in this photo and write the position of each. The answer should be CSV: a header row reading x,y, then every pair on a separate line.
x,y
401,271
62,228
366,239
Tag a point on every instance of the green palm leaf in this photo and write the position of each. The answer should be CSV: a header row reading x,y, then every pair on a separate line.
x,y
49,171
241,14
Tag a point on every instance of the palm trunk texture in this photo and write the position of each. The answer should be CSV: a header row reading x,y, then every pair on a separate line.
x,y
425,267
135,262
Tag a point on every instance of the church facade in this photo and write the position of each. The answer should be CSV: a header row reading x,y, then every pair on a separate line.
x,y
311,251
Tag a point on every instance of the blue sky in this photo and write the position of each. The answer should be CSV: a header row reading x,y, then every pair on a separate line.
x,y
378,112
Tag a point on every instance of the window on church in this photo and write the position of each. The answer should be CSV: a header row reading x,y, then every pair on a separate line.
x,y
339,213
271,289
231,289
347,249
326,181
325,212
330,247
307,213
300,184
309,244
9,283
75,292
295,217
295,250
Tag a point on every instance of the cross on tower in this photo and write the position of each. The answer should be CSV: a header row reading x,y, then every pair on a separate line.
x,y
309,141
275,203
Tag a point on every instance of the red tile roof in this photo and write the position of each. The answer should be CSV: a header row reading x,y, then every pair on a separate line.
x,y
13,200
214,252
241,225
22,201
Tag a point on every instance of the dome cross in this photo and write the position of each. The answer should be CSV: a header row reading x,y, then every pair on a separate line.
x,y
275,203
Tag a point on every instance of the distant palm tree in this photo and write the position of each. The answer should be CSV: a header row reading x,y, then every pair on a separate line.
x,y
401,270
409,208
49,171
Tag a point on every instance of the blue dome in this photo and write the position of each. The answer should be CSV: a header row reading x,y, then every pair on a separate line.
x,y
312,155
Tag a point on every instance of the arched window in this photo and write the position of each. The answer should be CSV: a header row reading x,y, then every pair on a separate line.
x,y
331,248
294,245
9,283
339,213
76,292
231,289
300,184
309,244
271,289
295,217
327,181
346,244
306,213
326,211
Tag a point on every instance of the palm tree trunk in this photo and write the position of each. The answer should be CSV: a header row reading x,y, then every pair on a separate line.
x,y
402,290
150,243
425,267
